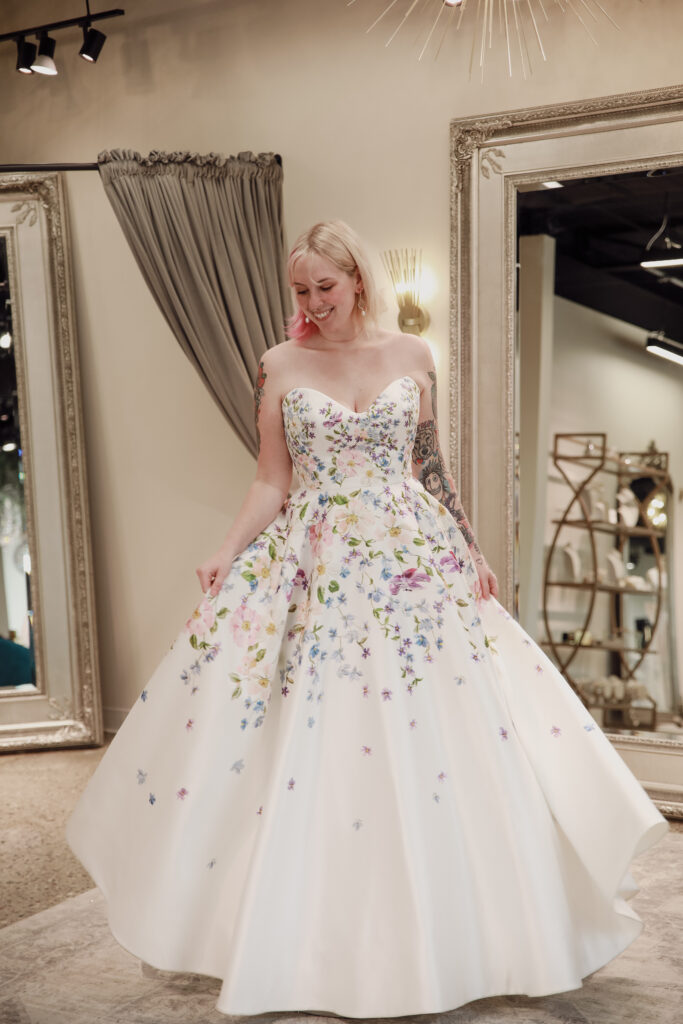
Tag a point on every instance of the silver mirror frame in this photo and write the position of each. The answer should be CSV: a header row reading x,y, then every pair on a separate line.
x,y
68,713
490,158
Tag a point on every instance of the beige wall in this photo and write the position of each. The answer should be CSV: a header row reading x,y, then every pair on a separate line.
x,y
363,131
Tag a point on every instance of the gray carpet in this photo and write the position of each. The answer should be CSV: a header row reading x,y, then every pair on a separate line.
x,y
62,966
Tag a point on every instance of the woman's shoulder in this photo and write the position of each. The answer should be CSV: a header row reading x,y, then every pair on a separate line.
x,y
411,347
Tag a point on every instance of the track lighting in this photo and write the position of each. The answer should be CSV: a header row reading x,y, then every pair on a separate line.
x,y
44,63
93,41
40,58
26,54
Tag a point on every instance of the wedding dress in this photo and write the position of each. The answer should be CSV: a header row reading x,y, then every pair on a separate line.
x,y
353,785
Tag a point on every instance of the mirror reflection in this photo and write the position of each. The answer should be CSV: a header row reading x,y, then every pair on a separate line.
x,y
599,417
17,660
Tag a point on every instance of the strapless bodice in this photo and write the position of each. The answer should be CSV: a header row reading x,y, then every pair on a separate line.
x,y
334,448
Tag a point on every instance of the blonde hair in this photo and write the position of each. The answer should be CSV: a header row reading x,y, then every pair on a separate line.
x,y
337,242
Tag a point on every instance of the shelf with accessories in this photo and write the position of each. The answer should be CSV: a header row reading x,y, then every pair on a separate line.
x,y
634,517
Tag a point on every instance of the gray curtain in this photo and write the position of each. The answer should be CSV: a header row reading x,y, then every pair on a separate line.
x,y
207,234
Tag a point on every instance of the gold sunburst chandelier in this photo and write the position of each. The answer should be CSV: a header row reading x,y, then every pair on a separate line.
x,y
517,23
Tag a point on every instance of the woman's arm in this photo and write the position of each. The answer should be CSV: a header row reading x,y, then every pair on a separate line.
x,y
267,493
430,469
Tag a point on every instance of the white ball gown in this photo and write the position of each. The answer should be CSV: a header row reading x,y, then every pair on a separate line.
x,y
353,785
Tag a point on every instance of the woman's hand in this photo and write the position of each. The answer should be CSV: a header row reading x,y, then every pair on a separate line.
x,y
213,571
487,578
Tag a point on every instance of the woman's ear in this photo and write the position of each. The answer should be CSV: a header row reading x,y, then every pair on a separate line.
x,y
358,281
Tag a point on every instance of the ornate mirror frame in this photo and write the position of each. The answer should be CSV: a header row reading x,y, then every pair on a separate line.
x,y
490,158
63,709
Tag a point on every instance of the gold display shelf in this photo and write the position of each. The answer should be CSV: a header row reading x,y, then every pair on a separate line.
x,y
608,588
595,457
609,649
603,527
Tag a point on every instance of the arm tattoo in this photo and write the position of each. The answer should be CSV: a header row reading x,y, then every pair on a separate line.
x,y
258,395
434,476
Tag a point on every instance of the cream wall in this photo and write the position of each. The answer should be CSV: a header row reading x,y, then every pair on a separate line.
x,y
363,131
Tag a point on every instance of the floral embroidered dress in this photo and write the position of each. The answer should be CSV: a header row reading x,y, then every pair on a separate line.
x,y
352,785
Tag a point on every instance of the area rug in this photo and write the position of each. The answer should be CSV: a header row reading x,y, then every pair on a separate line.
x,y
62,966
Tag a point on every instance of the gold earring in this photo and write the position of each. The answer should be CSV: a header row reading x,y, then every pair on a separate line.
x,y
362,305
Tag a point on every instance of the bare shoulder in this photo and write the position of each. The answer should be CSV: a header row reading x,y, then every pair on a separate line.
x,y
411,349
274,364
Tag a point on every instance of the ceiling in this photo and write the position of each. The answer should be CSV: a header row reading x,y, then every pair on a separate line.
x,y
602,226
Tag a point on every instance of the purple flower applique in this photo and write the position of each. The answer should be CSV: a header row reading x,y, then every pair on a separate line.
x,y
451,562
189,723
411,579
366,751
291,784
152,799
555,731
182,793
503,733
386,694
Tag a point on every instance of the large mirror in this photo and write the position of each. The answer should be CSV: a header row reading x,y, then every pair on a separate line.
x,y
575,478
49,685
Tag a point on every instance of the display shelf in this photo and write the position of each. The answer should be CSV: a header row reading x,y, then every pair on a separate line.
x,y
647,470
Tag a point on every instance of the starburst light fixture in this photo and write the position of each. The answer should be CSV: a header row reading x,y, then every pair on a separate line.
x,y
516,22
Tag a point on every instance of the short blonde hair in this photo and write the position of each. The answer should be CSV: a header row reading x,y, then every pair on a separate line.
x,y
337,242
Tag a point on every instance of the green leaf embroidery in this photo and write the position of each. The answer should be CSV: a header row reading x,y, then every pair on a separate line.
x,y
333,586
248,576
321,595
303,511
193,641
272,552
261,654
221,613
339,499
236,692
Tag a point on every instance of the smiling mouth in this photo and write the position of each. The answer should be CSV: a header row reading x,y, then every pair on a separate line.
x,y
321,316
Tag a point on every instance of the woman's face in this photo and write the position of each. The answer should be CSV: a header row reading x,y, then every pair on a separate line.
x,y
326,294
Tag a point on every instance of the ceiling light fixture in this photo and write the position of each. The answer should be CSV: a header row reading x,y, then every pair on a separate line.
x,y
93,41
42,61
676,262
659,345
26,54
517,25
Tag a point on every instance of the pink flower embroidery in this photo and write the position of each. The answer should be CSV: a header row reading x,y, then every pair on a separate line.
x,y
319,535
366,750
189,724
555,731
182,793
246,626
201,620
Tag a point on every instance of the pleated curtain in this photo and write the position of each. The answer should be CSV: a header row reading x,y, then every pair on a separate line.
x,y
207,234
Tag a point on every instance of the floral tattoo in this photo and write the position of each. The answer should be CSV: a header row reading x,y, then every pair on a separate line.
x,y
258,395
433,474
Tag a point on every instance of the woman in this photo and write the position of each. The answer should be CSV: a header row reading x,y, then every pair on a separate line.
x,y
355,785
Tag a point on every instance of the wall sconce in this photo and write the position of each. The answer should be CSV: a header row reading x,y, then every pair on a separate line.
x,y
404,267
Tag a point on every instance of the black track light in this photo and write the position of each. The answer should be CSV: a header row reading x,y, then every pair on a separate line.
x,y
93,41
26,54
44,63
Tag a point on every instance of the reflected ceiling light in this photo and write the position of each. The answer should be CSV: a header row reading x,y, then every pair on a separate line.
x,y
659,345
9,447
676,262
26,54
552,184
93,41
44,63
5,340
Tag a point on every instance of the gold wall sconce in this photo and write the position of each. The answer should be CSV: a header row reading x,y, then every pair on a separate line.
x,y
404,267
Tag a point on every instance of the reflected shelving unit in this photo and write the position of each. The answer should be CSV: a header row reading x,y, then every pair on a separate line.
x,y
609,531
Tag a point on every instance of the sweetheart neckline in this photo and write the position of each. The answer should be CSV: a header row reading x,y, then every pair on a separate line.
x,y
364,412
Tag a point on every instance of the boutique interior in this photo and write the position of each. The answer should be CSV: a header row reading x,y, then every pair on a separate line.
x,y
543,188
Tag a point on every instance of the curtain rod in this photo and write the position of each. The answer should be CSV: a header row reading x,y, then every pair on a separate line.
x,y
10,168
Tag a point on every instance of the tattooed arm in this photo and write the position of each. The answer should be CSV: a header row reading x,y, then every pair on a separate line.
x,y
430,469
